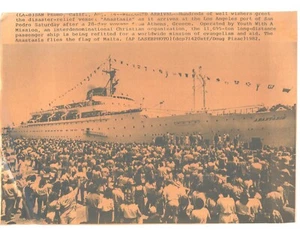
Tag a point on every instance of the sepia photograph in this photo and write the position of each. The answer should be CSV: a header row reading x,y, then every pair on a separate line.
x,y
155,132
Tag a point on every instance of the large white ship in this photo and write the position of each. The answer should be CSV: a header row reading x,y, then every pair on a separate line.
x,y
106,116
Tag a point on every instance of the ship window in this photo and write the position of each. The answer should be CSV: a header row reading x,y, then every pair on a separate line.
x,y
122,135
143,126
206,120
108,128
165,124
132,117
115,119
124,127
244,118
116,135
130,135
122,118
145,135
133,126
151,125
113,127
216,120
159,124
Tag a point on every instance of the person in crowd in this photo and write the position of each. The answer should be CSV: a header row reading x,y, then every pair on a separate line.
x,y
52,216
66,204
243,209
29,199
93,202
226,206
199,214
10,193
107,207
153,218
184,210
130,211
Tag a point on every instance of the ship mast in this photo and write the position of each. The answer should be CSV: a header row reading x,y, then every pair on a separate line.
x,y
203,88
194,90
112,73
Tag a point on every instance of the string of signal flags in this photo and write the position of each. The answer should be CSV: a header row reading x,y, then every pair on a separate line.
x,y
167,73
79,84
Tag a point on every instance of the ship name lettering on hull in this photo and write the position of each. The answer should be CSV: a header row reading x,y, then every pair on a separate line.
x,y
274,118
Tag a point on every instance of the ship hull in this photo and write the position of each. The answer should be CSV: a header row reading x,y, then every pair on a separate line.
x,y
276,128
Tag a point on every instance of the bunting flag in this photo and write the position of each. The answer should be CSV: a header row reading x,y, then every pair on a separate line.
x,y
186,75
161,102
180,74
248,83
98,67
122,62
236,82
208,78
218,79
286,90
160,71
167,74
257,86
226,82
145,68
95,71
138,66
271,86
193,73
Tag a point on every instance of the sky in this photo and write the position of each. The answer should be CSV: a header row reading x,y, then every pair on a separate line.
x,y
33,75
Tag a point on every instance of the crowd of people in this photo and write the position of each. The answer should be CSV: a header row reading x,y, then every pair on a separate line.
x,y
186,181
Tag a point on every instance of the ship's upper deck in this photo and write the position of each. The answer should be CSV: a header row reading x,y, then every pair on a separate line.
x,y
97,105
